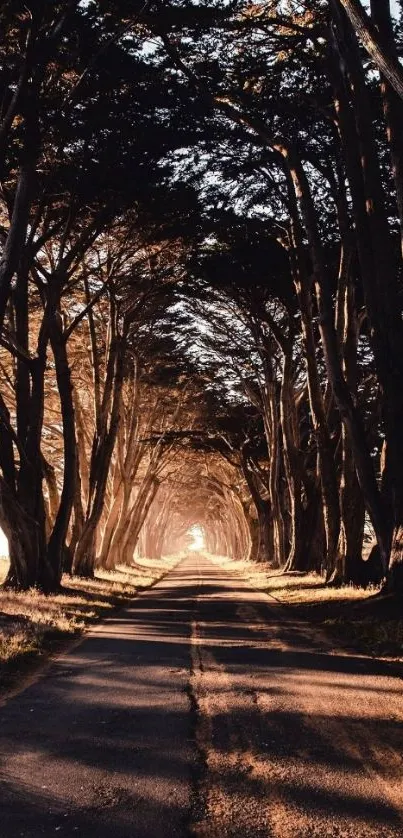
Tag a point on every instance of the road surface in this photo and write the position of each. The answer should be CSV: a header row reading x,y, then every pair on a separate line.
x,y
204,709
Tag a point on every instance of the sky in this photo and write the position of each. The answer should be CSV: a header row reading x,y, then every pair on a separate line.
x,y
3,544
394,7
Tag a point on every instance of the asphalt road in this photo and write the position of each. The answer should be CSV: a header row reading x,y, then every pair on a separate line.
x,y
204,709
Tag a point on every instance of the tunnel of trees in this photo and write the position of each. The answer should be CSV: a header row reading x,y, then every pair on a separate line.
x,y
201,291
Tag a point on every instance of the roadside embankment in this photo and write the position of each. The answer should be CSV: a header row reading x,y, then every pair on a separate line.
x,y
358,618
33,625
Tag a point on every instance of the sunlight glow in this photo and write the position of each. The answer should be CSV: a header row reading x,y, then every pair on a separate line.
x,y
3,545
197,535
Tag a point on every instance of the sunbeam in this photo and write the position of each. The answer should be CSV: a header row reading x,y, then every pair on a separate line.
x,y
196,533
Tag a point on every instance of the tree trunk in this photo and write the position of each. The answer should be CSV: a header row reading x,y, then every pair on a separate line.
x,y
264,551
57,541
106,559
342,394
291,443
327,471
22,542
273,543
292,464
379,275
139,515
85,556
376,46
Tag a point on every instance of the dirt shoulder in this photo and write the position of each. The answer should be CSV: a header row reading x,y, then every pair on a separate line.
x,y
33,627
372,624
362,620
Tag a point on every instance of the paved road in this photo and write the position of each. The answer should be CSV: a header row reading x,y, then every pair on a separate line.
x,y
204,709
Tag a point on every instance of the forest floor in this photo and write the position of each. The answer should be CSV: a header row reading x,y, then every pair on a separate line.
x,y
33,626
359,619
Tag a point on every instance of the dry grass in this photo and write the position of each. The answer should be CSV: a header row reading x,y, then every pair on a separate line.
x,y
354,617
32,624
296,588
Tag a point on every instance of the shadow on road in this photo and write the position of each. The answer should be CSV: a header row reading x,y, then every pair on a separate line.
x,y
104,740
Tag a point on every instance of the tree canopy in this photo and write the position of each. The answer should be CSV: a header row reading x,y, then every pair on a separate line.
x,y
201,221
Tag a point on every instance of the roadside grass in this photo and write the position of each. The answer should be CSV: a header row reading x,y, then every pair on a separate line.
x,y
357,618
33,625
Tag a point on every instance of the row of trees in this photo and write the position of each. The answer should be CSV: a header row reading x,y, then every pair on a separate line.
x,y
307,139
85,260
200,283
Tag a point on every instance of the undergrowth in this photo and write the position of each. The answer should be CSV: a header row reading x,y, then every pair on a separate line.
x,y
354,617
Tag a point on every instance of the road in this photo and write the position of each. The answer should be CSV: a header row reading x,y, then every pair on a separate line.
x,y
204,709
